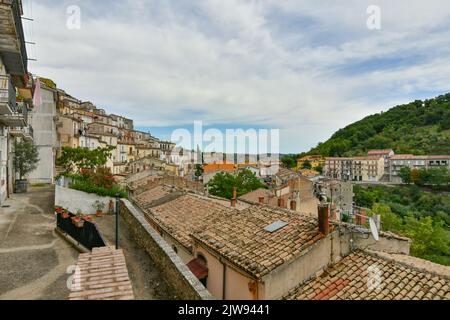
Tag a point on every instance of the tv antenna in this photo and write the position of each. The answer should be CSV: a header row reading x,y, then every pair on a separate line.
x,y
374,229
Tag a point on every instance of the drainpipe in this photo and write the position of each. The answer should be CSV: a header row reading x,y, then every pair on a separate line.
x,y
224,277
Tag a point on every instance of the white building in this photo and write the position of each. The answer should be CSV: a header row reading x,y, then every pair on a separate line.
x,y
42,119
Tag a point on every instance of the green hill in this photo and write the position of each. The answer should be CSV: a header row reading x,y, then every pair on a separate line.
x,y
419,127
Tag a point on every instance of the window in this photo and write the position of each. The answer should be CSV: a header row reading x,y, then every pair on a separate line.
x,y
201,258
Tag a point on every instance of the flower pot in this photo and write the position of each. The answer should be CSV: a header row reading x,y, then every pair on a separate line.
x,y
65,214
99,213
21,186
78,222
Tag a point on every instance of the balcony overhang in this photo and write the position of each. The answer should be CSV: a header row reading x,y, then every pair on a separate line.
x,y
12,42
13,120
5,107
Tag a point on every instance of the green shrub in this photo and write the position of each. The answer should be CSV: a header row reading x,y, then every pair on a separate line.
x,y
88,187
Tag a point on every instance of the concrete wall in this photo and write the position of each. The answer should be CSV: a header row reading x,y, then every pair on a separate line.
x,y
74,200
176,273
236,283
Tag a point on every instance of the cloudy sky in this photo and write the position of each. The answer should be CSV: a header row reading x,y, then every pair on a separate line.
x,y
305,68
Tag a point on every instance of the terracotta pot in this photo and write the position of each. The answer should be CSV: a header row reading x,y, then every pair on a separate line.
x,y
99,213
78,222
65,214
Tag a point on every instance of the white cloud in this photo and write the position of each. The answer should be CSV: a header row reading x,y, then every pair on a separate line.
x,y
300,66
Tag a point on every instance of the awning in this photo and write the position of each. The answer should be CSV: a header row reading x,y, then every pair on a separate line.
x,y
198,269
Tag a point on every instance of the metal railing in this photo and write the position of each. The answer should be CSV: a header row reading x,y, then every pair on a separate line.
x,y
88,235
7,92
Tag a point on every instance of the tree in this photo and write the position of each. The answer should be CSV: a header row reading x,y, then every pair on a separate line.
x,y
364,198
306,164
319,169
223,183
289,161
428,238
26,157
390,221
405,175
74,160
198,170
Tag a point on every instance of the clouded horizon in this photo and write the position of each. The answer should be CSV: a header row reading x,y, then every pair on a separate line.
x,y
304,67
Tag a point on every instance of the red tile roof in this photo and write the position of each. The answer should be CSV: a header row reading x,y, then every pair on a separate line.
x,y
242,239
398,280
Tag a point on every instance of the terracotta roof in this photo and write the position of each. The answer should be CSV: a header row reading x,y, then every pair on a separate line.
x,y
366,158
254,196
285,174
385,151
413,157
242,239
187,213
349,278
149,196
219,166
312,158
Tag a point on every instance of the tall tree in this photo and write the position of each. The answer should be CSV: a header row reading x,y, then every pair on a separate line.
x,y
26,157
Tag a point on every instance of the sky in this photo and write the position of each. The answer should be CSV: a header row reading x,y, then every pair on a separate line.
x,y
303,67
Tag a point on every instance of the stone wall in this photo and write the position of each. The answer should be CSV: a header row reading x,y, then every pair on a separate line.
x,y
177,274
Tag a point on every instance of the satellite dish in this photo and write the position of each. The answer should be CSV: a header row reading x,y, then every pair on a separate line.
x,y
374,229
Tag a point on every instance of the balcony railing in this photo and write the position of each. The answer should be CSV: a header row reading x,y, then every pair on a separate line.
x,y
7,95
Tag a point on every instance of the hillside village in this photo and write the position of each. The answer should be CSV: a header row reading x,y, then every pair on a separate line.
x,y
294,234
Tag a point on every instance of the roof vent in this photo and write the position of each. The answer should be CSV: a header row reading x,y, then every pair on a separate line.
x,y
277,225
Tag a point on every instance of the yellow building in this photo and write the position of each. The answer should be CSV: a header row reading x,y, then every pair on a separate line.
x,y
315,160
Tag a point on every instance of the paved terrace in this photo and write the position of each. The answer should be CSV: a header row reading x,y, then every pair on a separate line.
x,y
146,278
33,259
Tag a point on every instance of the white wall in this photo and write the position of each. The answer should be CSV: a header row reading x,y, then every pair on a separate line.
x,y
74,200
45,138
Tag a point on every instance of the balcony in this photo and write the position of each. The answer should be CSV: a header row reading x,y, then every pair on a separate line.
x,y
19,118
26,133
12,42
7,96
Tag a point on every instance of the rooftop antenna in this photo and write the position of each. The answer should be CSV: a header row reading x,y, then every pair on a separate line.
x,y
374,229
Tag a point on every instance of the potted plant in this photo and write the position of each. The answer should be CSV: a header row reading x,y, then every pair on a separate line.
x,y
99,206
26,158
87,218
65,214
78,220
59,209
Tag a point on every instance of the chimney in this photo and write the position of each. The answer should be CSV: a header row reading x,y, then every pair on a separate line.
x,y
293,205
234,199
324,219
261,200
